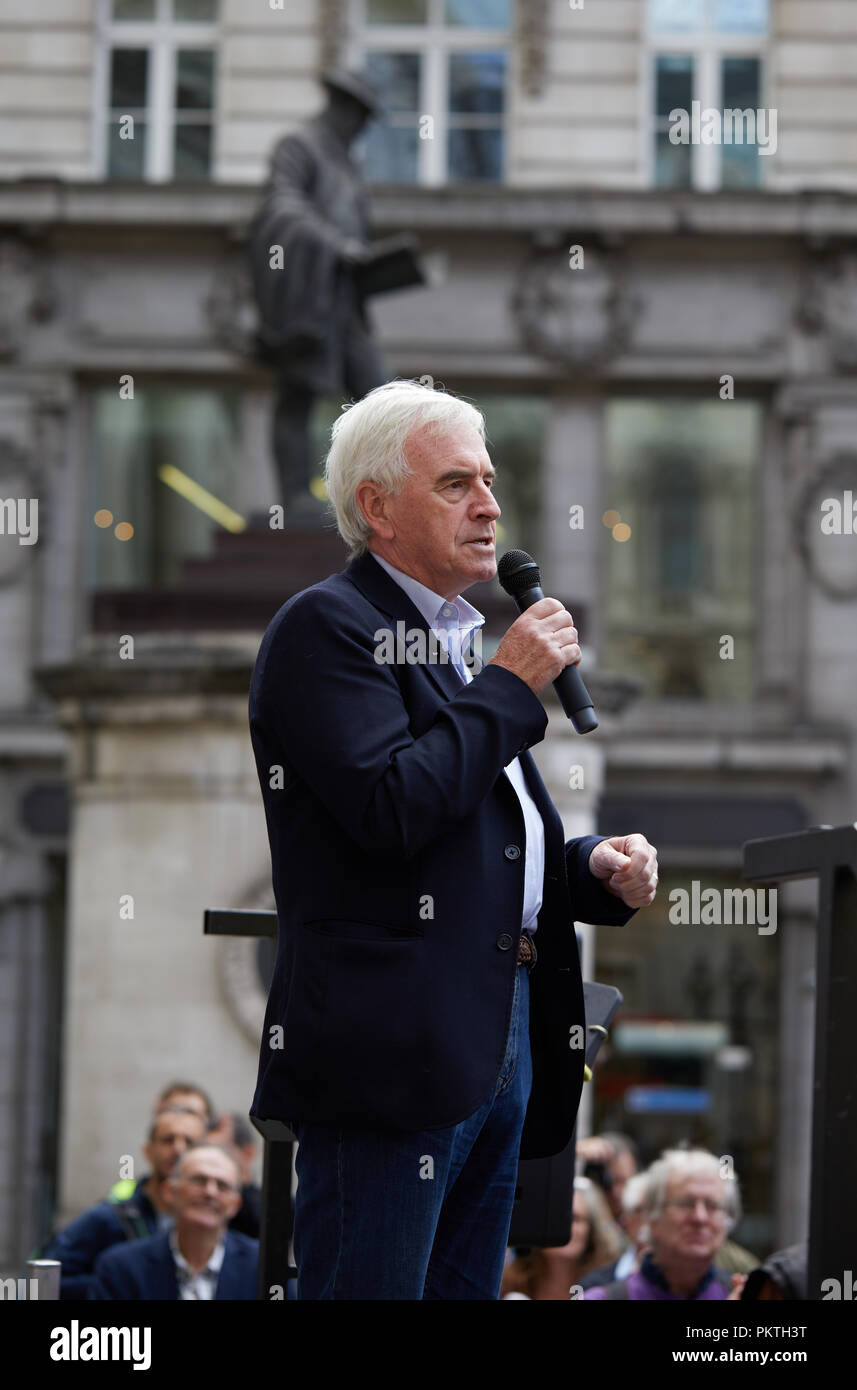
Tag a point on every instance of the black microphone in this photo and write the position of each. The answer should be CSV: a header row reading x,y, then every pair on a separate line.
x,y
520,576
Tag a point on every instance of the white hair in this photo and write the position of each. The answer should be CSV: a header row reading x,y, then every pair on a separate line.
x,y
367,444
689,1163
634,1192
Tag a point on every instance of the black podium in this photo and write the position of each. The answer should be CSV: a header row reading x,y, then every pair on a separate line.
x,y
830,854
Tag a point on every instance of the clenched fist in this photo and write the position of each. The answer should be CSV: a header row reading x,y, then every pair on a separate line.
x,y
628,864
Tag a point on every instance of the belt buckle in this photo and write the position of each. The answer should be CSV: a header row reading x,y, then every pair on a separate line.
x,y
531,959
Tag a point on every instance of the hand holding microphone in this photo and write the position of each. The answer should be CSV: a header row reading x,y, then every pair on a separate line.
x,y
541,645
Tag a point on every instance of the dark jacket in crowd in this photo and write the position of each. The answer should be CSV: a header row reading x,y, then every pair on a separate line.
x,y
648,1282
109,1223
787,1269
146,1269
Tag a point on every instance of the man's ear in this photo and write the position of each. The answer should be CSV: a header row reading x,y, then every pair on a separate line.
x,y
373,504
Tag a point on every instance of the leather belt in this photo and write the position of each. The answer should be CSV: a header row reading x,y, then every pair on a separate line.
x,y
527,954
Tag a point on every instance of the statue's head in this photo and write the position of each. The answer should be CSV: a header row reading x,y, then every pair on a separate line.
x,y
352,101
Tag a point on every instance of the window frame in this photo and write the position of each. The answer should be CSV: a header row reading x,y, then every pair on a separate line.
x,y
162,37
435,41
706,48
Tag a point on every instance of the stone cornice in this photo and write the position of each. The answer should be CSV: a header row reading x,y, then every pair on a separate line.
x,y
37,207
167,665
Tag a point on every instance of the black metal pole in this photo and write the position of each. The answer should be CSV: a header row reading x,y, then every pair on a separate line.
x,y
830,853
275,1223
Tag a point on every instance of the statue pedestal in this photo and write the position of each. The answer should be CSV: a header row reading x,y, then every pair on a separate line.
x,y
239,586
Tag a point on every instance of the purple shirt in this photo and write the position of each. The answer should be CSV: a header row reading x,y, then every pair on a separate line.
x,y
648,1282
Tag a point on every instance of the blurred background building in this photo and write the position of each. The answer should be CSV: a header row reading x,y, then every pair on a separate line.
x,y
663,335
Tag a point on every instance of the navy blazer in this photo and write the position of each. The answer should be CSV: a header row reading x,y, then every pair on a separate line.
x,y
80,1243
145,1269
397,847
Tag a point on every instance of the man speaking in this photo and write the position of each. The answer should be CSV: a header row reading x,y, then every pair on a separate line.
x,y
427,985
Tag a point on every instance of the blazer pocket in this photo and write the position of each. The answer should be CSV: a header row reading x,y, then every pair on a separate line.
x,y
351,930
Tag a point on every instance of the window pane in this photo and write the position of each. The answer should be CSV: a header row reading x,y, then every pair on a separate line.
x,y
129,69
672,163
741,164
192,152
195,11
390,154
477,83
673,83
126,158
682,475
740,167
396,11
480,14
677,16
194,79
741,82
196,430
475,154
397,75
133,9
742,16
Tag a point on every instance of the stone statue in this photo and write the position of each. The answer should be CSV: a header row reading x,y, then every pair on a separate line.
x,y
307,240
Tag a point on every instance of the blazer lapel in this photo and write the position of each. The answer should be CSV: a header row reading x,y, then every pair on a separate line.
x,y
382,590
164,1269
229,1279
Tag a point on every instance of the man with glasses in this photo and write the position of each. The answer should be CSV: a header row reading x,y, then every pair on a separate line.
x,y
134,1210
689,1209
198,1258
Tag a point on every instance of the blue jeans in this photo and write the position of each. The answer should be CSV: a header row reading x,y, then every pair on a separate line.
x,y
415,1215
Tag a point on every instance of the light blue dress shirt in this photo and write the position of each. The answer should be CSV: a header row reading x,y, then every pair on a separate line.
x,y
452,623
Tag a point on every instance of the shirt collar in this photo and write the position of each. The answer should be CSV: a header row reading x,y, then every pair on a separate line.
x,y
214,1263
437,610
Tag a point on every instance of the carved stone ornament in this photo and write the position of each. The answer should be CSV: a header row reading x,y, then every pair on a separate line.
x,y
830,560
238,971
580,318
25,294
230,308
830,306
531,44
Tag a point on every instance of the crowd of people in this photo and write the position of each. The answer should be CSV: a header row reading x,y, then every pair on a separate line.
x,y
660,1234
189,1227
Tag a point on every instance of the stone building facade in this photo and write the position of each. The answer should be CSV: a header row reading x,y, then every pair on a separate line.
x,y
667,337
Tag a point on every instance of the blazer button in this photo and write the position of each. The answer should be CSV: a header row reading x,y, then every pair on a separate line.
x,y
512,852
504,942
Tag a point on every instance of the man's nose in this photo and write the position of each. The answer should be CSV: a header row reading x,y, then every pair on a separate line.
x,y
487,504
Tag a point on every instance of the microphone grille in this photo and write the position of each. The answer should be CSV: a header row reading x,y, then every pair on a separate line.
x,y
518,571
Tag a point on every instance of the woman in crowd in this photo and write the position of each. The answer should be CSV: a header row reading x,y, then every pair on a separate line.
x,y
551,1273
